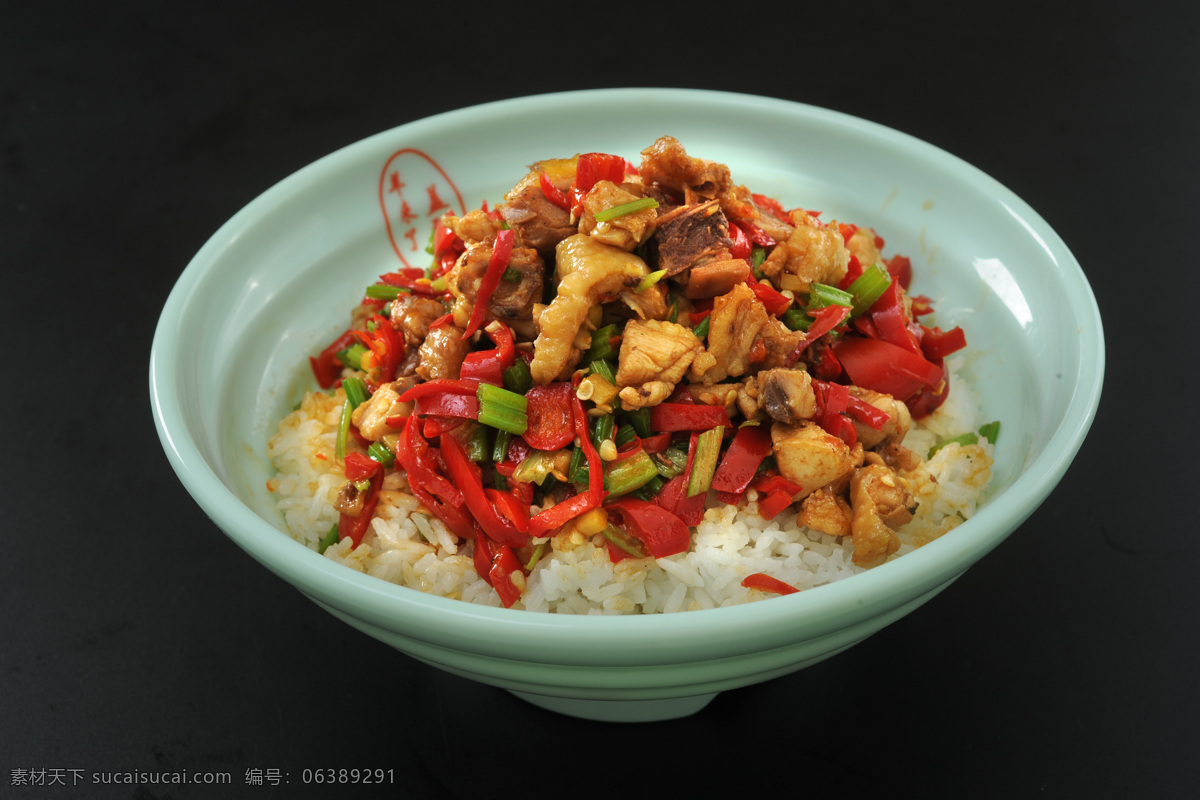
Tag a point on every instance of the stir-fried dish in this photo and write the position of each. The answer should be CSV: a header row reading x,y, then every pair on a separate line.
x,y
614,348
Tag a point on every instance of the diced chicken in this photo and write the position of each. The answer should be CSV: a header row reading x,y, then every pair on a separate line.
x,y
812,253
739,205
371,417
590,273
894,430
411,315
654,356
742,335
721,394
787,395
881,505
536,221
442,353
826,511
715,277
515,295
626,231
476,227
689,235
667,163
809,456
862,246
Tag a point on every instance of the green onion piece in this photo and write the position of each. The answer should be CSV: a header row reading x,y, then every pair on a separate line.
x,y
381,453
602,348
990,431
604,370
502,409
822,295
639,419
500,446
477,446
356,391
511,275
634,472
602,428
868,287
439,284
625,209
352,356
517,378
624,435
701,330
500,482
384,291
964,439
670,462
650,280
624,541
796,320
328,540
708,449
757,256
674,316
356,394
536,557
577,472
535,467
650,490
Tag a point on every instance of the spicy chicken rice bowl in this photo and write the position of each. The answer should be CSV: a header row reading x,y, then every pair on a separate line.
x,y
634,388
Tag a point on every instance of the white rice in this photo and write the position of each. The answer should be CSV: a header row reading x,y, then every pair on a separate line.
x,y
408,546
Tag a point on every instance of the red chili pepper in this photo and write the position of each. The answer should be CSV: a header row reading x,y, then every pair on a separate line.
x,y
847,230
482,557
937,344
551,423
466,477
686,417
772,206
751,444
440,386
590,169
766,583
504,565
434,427
325,366
900,268
595,465
673,497
417,284
774,482
824,320
775,302
926,401
497,263
884,367
854,271
386,345
773,503
891,321
460,406
359,467
866,413
832,401
427,484
656,443
560,514
511,507
662,533
742,247
488,365
553,193
355,528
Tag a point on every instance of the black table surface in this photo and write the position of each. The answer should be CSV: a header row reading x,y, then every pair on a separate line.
x,y
137,640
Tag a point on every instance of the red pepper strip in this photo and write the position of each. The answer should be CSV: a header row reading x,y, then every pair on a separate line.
x,y
884,367
589,170
435,492
663,533
773,301
774,482
461,406
766,583
511,507
390,352
686,417
553,193
483,366
926,401
504,565
742,246
832,400
854,271
360,467
773,206
847,230
673,497
890,320
730,498
440,386
497,263
417,284
355,528
595,465
900,268
442,320
866,413
551,420
433,427
558,515
483,556
773,503
920,305
325,366
466,477
824,320
936,343
751,444
656,443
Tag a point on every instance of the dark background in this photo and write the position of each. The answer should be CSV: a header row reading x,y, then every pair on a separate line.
x,y
135,636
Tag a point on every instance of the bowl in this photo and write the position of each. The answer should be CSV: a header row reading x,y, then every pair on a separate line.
x,y
275,283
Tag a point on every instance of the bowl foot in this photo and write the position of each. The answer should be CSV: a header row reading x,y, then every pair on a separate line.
x,y
620,710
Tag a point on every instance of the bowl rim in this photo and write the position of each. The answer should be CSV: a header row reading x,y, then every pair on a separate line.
x,y
540,636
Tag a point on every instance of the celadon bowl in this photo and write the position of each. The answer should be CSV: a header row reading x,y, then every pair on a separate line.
x,y
277,281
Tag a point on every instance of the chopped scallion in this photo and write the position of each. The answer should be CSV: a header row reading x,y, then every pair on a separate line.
x,y
328,540
701,330
604,370
517,378
625,209
383,291
990,431
601,348
381,453
822,295
650,280
708,449
624,476
625,542
868,287
502,409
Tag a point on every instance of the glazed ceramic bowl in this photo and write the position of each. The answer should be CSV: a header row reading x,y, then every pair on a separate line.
x,y
275,283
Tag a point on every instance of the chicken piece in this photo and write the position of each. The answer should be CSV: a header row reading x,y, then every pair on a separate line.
x,y
537,222
590,272
809,456
371,417
411,315
667,163
654,356
715,277
813,253
881,505
476,227
893,431
862,246
721,394
740,335
515,295
787,394
739,205
826,511
686,236
442,353
627,231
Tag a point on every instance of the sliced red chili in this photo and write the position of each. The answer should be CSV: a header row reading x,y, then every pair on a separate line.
x,y
663,533
325,366
749,447
936,343
673,497
767,583
354,528
498,262
551,422
466,477
884,367
686,417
